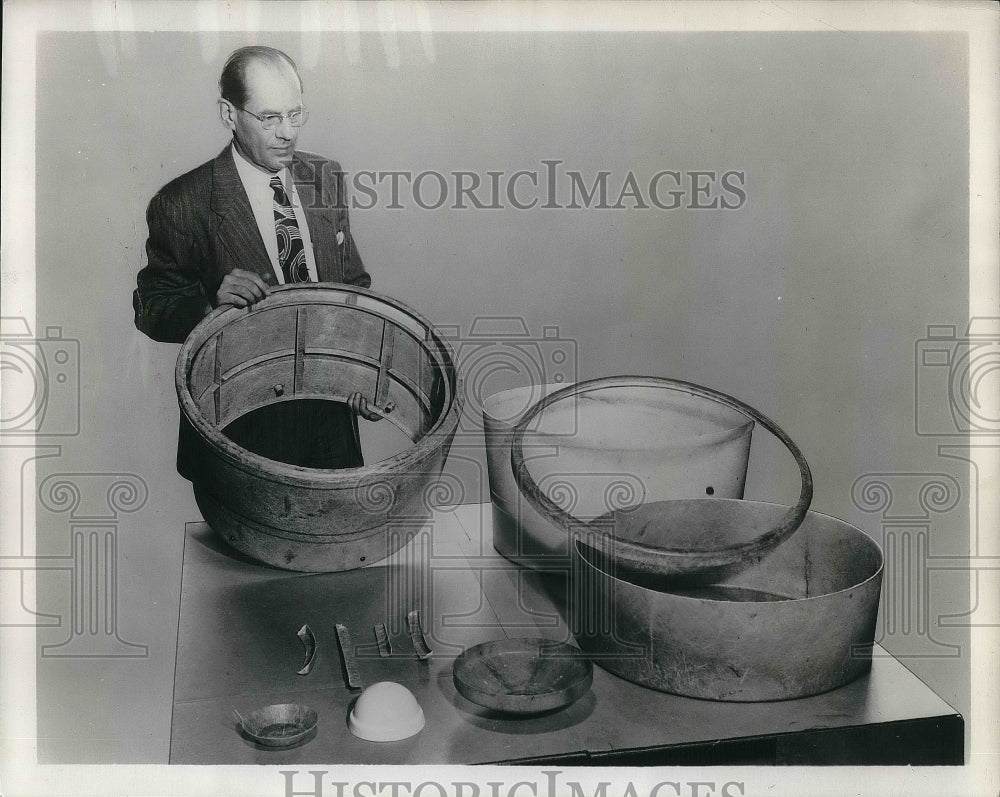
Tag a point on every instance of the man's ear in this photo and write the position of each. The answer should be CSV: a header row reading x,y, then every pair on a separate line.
x,y
227,113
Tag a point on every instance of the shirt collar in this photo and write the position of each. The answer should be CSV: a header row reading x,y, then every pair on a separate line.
x,y
252,176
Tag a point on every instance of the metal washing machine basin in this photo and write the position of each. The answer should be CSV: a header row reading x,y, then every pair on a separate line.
x,y
316,342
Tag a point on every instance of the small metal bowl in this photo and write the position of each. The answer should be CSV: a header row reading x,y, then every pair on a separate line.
x,y
280,725
523,676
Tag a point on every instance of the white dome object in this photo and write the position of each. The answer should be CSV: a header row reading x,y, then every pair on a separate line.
x,y
386,712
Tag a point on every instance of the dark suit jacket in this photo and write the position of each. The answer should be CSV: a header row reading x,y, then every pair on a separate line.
x,y
201,227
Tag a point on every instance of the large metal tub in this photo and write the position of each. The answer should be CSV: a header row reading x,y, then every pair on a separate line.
x,y
607,444
800,622
716,598
316,341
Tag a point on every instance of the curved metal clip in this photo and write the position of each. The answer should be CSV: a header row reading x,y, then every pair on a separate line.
x,y
309,643
417,635
382,639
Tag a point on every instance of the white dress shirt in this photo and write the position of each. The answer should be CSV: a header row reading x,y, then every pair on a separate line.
x,y
257,184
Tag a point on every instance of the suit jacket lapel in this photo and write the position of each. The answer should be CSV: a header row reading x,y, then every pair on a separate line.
x,y
319,215
237,226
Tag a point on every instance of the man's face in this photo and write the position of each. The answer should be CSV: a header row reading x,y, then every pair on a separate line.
x,y
272,90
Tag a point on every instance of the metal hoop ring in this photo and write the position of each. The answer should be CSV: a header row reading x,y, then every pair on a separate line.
x,y
648,558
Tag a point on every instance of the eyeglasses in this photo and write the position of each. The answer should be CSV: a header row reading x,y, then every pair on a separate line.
x,y
269,121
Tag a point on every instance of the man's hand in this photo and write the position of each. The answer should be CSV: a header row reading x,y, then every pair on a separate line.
x,y
240,288
360,406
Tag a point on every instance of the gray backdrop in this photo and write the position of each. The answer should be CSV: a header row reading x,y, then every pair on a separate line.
x,y
809,302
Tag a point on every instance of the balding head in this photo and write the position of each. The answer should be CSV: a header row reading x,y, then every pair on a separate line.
x,y
235,83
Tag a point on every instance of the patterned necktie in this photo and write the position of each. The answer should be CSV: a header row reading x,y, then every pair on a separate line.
x,y
291,251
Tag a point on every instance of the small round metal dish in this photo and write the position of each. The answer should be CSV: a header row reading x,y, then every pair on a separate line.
x,y
523,676
280,725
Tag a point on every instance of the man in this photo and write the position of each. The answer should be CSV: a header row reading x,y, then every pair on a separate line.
x,y
260,214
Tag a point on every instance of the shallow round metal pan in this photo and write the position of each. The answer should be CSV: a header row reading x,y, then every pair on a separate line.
x,y
523,676
279,725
